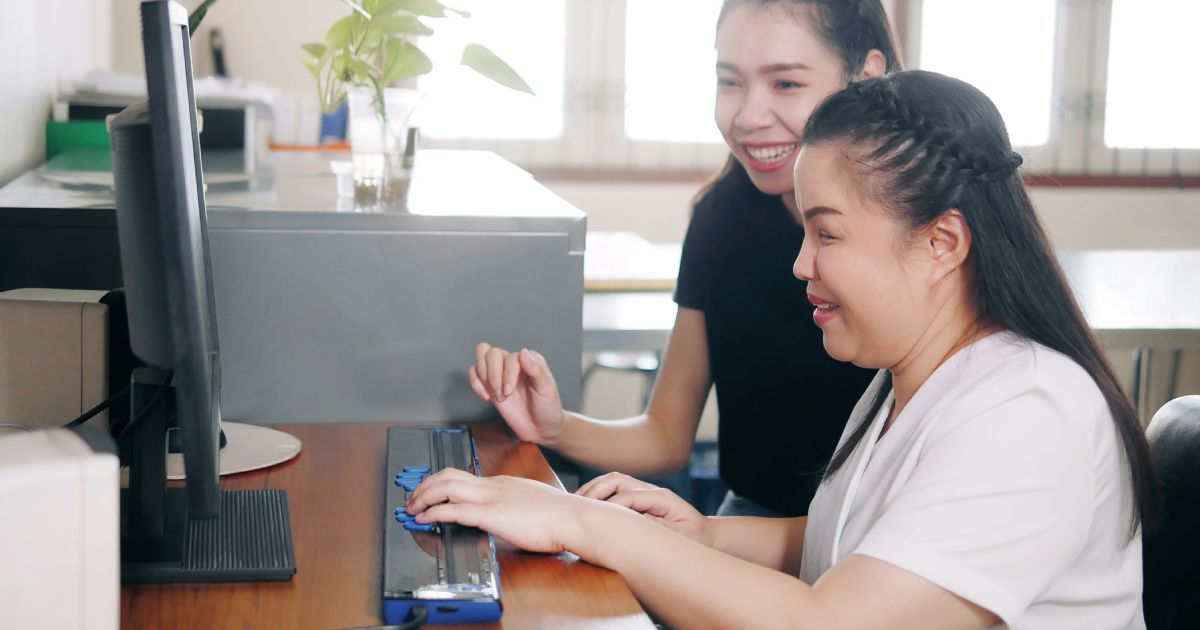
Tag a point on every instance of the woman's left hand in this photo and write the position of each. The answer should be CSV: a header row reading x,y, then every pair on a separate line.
x,y
526,513
659,504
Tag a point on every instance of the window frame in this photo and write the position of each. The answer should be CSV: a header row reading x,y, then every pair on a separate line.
x,y
1076,152
594,146
593,138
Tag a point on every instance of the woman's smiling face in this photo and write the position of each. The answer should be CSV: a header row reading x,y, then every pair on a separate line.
x,y
871,298
772,72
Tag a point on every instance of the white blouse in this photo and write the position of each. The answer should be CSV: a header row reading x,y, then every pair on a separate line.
x,y
1003,481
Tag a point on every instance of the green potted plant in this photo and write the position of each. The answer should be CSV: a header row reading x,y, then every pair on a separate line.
x,y
362,56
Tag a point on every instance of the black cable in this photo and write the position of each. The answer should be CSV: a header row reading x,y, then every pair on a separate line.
x,y
91,413
150,405
419,618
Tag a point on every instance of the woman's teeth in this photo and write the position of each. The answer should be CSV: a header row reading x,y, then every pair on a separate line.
x,y
826,307
771,154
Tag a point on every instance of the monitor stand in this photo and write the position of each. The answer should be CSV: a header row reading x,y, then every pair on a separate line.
x,y
250,539
244,447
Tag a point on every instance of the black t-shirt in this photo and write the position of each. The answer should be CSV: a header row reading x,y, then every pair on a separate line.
x,y
782,401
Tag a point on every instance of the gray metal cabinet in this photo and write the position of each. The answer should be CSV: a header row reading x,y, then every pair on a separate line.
x,y
346,316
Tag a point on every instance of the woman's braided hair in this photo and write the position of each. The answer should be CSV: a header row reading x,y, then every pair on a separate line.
x,y
924,144
921,151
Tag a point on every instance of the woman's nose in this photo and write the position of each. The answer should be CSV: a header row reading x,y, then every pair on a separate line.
x,y
755,112
805,267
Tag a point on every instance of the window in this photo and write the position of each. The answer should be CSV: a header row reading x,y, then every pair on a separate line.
x,y
1086,87
529,35
1150,103
670,84
613,90
1016,76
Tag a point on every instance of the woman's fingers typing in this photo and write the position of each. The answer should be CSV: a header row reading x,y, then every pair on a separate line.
x,y
449,484
654,502
607,485
469,514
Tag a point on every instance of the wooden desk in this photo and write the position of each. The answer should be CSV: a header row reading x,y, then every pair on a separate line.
x,y
335,496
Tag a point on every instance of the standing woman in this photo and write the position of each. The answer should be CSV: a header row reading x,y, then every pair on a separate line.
x,y
782,401
994,475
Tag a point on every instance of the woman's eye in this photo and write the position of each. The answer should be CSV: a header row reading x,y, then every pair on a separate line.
x,y
723,82
824,236
788,85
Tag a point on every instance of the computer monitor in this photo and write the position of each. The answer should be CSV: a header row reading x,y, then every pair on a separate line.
x,y
187,534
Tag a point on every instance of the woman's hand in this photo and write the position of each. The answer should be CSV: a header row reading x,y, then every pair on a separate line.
x,y
658,504
522,388
526,513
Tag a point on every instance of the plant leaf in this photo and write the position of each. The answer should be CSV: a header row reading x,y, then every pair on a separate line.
x,y
197,16
387,7
409,24
482,60
402,59
460,12
315,50
359,24
338,35
360,68
358,8
370,39
430,8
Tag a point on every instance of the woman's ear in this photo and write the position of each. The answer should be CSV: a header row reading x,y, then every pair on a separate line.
x,y
949,242
875,65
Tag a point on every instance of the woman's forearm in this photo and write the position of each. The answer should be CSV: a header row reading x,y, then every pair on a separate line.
x,y
658,442
638,446
775,543
700,587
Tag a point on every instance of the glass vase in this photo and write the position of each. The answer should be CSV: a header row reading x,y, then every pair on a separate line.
x,y
378,145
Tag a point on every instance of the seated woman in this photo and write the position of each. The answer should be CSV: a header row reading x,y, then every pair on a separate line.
x,y
994,474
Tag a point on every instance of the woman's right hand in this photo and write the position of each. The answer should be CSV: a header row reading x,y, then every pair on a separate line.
x,y
522,388
658,504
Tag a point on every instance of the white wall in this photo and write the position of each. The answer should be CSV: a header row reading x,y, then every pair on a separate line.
x,y
1120,218
262,38
44,46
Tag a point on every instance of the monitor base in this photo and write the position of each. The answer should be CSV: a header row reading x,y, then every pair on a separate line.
x,y
251,540
249,447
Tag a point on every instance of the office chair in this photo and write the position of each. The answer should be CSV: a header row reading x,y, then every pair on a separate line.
x,y
644,363
1171,551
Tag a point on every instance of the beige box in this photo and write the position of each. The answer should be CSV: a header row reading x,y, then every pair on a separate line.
x,y
53,356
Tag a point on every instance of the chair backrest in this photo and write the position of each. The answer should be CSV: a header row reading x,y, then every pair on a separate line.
x,y
1171,551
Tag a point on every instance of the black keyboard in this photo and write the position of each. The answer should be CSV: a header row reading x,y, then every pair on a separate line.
x,y
448,569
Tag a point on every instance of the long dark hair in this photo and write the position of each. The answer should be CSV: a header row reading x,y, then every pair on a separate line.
x,y
850,28
922,144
